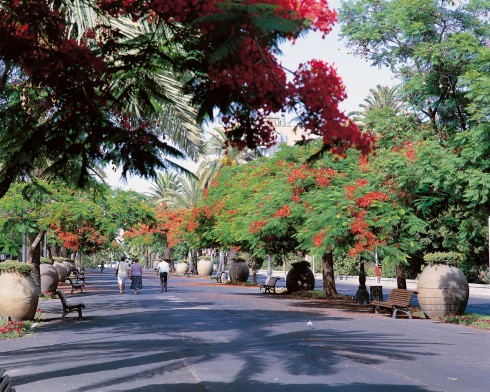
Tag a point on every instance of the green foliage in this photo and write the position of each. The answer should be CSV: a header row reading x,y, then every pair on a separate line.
x,y
45,260
13,266
432,45
447,258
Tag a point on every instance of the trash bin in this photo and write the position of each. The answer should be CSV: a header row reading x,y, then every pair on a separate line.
x,y
376,293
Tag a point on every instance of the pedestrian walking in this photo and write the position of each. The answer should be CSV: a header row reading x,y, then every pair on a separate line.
x,y
136,276
122,270
163,269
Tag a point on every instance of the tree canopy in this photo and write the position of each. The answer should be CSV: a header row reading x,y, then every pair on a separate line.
x,y
108,82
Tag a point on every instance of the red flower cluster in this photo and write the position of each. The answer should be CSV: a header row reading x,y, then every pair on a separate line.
x,y
319,89
408,149
256,226
318,238
282,212
13,329
370,197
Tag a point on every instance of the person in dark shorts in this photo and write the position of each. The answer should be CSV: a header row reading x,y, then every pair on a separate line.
x,y
163,269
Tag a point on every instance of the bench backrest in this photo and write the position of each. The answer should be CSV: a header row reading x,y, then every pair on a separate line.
x,y
5,383
401,296
271,280
62,297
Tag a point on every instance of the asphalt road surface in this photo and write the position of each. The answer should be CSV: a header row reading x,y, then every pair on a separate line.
x,y
200,336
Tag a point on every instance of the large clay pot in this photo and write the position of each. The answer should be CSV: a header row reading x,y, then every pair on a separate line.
x,y
155,264
442,290
62,271
300,277
238,271
49,278
69,265
182,268
19,296
204,267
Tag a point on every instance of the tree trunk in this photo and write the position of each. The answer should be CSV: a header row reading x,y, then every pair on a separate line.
x,y
146,260
401,280
254,271
34,254
328,276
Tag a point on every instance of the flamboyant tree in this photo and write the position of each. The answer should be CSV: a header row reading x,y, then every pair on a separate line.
x,y
79,76
279,205
79,220
164,232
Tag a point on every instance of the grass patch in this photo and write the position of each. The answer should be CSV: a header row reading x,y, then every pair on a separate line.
x,y
318,294
474,320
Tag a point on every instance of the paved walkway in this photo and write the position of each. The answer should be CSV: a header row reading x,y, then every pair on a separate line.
x,y
206,337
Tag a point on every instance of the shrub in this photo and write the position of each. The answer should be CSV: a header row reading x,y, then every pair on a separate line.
x,y
447,258
15,266
45,260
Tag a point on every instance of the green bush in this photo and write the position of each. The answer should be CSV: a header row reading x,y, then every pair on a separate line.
x,y
45,260
15,266
447,258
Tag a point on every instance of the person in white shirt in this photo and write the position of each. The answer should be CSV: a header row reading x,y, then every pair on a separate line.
x,y
122,268
163,269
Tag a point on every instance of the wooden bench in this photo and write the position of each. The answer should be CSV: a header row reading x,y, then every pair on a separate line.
x,y
68,308
75,285
79,276
398,301
219,277
5,383
269,284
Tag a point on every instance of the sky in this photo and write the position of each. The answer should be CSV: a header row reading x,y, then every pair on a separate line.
x,y
357,74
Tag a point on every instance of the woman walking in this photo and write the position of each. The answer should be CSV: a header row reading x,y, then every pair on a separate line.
x,y
136,276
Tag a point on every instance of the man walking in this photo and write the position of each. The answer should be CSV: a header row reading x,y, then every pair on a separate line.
x,y
163,269
122,268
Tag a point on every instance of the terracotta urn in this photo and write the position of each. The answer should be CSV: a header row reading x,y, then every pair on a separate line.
x,y
300,277
69,265
238,271
19,296
49,278
155,264
62,271
204,266
442,290
182,268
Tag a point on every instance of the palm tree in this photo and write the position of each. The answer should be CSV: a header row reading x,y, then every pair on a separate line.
x,y
379,98
165,182
218,154
146,86
186,195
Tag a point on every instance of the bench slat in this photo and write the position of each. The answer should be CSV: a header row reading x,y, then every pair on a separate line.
x,y
398,300
68,308
269,284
